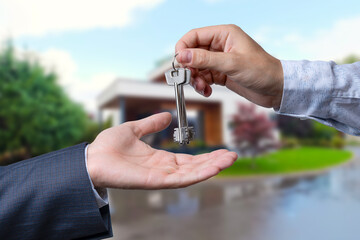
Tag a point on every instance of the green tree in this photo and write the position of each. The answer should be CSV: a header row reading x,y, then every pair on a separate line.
x,y
351,59
92,129
36,116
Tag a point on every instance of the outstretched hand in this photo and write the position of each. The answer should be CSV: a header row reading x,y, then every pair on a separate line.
x,y
119,159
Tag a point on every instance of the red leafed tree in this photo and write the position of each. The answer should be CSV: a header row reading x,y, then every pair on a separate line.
x,y
253,132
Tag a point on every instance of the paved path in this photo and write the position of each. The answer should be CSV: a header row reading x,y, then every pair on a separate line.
x,y
325,206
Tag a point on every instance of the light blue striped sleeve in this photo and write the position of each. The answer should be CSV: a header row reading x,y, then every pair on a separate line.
x,y
323,91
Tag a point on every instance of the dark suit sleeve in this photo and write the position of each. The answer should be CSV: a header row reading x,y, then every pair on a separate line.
x,y
50,197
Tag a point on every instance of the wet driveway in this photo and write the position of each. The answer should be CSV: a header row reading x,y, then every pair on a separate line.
x,y
326,206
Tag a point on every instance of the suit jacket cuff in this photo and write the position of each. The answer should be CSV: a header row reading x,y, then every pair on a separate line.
x,y
50,197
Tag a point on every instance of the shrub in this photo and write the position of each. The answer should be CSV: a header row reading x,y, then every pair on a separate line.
x,y
290,142
253,132
338,142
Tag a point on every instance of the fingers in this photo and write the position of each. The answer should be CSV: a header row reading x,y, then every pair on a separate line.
x,y
152,124
211,164
210,48
221,159
202,87
204,59
209,169
213,37
182,159
225,161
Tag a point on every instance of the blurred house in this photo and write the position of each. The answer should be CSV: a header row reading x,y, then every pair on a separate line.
x,y
129,99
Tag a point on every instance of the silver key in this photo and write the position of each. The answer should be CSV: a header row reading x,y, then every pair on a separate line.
x,y
178,78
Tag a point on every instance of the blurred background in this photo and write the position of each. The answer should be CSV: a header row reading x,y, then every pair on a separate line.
x,y
69,69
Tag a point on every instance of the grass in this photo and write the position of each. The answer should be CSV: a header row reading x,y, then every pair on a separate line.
x,y
288,161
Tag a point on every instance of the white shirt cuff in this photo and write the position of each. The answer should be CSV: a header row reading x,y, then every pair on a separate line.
x,y
101,194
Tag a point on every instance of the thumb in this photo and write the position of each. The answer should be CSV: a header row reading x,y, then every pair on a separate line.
x,y
204,59
152,124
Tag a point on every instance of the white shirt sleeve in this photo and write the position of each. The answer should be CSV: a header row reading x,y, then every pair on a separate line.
x,y
323,91
101,194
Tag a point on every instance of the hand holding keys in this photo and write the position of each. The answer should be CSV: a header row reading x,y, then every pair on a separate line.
x,y
178,77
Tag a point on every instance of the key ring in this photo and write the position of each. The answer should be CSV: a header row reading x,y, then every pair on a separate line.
x,y
173,62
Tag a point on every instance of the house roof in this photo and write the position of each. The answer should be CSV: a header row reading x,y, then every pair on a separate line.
x,y
158,72
157,88
152,90
157,75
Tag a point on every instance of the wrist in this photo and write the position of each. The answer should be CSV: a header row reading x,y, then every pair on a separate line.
x,y
278,83
91,166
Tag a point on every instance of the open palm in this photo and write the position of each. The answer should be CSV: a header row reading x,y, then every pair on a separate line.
x,y
119,159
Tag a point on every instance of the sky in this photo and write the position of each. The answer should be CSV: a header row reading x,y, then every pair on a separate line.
x,y
91,43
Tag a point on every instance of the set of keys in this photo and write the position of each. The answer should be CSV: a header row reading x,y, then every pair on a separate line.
x,y
178,77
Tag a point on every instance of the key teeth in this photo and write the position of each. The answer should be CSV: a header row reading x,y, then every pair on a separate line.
x,y
188,135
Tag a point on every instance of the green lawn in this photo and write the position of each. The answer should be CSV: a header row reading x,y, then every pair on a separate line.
x,y
289,160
